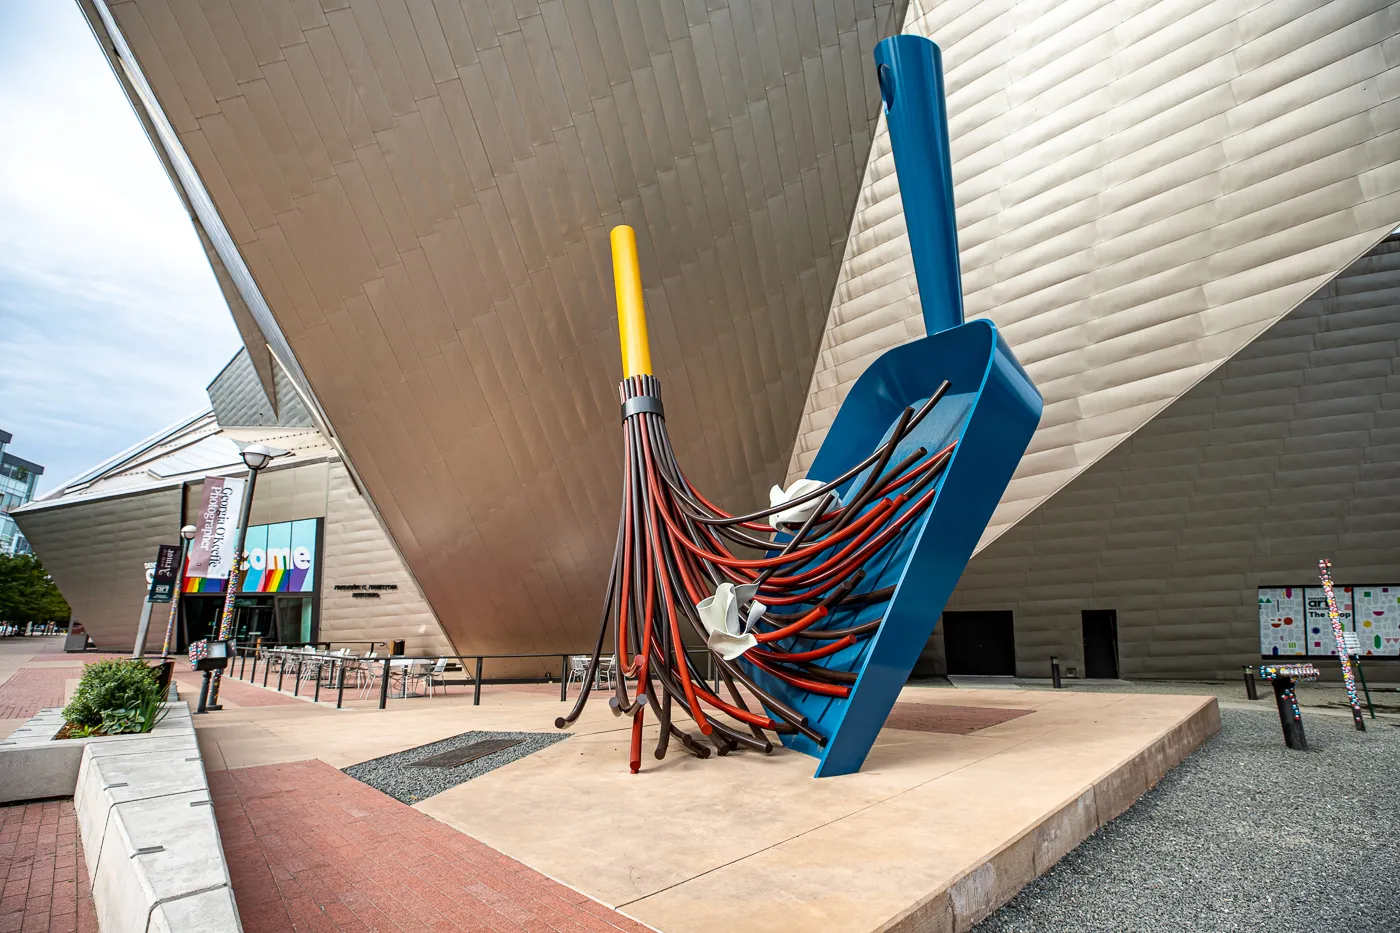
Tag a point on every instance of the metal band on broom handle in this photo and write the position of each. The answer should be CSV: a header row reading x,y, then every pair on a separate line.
x,y
1324,570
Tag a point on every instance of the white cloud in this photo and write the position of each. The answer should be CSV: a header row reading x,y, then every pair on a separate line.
x,y
111,323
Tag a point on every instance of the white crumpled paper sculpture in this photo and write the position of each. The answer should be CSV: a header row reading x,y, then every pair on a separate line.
x,y
729,638
798,513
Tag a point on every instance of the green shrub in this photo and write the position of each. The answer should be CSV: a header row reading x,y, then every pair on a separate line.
x,y
111,686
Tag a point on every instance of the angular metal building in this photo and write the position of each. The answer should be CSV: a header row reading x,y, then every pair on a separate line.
x,y
407,204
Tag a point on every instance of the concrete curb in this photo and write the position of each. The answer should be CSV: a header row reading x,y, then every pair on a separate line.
x,y
977,894
150,840
34,767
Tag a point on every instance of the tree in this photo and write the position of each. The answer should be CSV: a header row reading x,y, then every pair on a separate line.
x,y
28,593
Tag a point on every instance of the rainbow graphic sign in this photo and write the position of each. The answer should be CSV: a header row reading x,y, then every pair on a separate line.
x,y
281,559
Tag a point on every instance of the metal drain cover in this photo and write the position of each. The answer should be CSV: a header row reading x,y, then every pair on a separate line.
x,y
469,752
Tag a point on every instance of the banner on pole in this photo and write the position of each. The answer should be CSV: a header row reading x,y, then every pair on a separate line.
x,y
166,574
211,551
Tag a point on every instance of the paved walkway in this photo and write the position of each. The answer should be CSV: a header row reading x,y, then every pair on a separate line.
x,y
41,864
311,849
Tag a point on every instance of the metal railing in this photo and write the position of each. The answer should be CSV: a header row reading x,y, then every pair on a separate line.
x,y
338,665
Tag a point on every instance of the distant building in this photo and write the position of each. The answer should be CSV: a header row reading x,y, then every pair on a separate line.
x,y
96,533
18,478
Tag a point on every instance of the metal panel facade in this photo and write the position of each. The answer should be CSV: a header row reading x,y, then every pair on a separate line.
x,y
97,552
1287,453
1142,189
422,191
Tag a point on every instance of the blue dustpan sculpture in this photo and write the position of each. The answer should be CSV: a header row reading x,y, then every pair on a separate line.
x,y
991,410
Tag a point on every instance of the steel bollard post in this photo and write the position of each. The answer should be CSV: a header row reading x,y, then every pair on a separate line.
x,y
254,678
340,686
243,666
1055,672
476,692
563,677
203,693
296,687
384,685
1250,690
281,669
1356,659
316,694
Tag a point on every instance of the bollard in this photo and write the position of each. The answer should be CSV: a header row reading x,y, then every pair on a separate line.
x,y
563,678
203,693
296,687
243,666
1055,672
316,694
340,686
281,669
254,678
1249,689
1356,659
384,685
476,693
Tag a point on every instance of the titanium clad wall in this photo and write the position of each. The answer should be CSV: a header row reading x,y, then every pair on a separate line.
x,y
97,551
1142,189
356,551
239,400
1287,453
423,190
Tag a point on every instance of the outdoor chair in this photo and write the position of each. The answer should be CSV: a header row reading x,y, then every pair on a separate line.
x,y
435,676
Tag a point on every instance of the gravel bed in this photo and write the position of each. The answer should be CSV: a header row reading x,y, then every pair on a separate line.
x,y
1243,835
393,775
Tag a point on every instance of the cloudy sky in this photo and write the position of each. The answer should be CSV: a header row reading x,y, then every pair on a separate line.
x,y
111,324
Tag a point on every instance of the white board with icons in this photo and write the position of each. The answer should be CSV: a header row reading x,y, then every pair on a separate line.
x,y
1378,619
1321,640
1282,632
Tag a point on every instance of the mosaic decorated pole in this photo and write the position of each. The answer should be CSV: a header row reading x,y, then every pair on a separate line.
x,y
813,610
1284,677
255,457
1324,570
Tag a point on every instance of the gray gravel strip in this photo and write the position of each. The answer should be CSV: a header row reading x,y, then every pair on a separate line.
x,y
1243,835
392,775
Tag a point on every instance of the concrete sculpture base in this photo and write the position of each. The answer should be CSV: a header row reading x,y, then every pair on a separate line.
x,y
934,834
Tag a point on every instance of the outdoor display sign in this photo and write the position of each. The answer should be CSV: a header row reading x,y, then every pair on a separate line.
x,y
1281,628
1321,640
1377,618
281,558
211,550
164,574
1293,620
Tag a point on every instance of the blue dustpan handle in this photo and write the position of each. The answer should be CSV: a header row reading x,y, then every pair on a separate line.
x,y
910,69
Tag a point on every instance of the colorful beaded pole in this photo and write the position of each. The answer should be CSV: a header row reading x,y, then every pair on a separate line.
x,y
1283,677
1324,570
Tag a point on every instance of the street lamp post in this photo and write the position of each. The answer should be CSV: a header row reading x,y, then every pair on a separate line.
x,y
255,457
187,534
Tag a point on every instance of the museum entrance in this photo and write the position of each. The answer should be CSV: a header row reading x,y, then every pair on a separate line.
x,y
980,643
280,619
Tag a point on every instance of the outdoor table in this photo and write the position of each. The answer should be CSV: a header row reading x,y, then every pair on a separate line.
x,y
1284,677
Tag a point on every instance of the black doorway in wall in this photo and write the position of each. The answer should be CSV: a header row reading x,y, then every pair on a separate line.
x,y
1101,643
980,643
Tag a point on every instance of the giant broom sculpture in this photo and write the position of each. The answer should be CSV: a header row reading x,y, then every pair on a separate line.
x,y
816,622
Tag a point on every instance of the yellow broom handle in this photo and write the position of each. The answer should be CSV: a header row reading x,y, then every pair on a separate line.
x,y
631,312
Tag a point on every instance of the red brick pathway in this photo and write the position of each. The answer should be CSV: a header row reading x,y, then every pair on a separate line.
x,y
951,720
311,849
31,689
235,692
46,885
